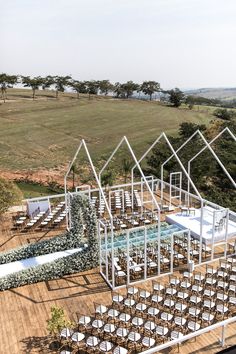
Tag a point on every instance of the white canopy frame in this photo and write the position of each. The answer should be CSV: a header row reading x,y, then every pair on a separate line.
x,y
150,180
174,178
125,141
208,145
174,152
101,192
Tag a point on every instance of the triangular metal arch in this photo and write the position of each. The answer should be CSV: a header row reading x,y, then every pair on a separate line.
x,y
207,146
212,141
163,135
83,145
124,140
186,174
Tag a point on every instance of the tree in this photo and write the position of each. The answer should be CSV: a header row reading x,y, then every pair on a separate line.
x,y
190,102
224,113
7,81
105,86
10,195
149,88
57,321
79,87
92,87
119,90
107,178
129,87
187,129
176,97
126,166
61,82
74,170
34,83
48,81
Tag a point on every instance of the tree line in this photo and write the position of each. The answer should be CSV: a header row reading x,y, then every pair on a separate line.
x,y
93,87
174,97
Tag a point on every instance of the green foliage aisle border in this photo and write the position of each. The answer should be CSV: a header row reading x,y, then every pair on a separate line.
x,y
82,213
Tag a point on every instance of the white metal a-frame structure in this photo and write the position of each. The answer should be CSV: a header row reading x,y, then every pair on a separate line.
x,y
163,135
107,257
125,141
189,180
68,194
207,146
145,180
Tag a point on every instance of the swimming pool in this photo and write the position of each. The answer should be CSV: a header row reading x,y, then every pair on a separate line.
x,y
136,237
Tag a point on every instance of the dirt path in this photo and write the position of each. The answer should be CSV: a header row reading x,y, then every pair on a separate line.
x,y
39,176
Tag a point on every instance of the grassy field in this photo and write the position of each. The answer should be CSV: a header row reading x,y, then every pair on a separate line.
x,y
45,133
31,190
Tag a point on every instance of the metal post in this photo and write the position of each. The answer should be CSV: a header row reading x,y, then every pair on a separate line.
x,y
145,253
172,254
162,184
201,231
213,235
123,200
226,231
141,196
189,237
112,254
159,241
223,335
188,190
132,189
100,247
127,257
106,252
180,186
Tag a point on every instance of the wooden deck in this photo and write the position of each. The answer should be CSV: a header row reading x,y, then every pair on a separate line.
x,y
24,310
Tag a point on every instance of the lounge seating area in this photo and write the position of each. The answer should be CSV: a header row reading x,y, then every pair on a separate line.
x,y
139,319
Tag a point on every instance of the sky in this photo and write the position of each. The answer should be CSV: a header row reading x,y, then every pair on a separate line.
x,y
179,43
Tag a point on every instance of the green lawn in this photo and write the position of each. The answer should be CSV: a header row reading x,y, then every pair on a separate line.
x,y
46,132
31,190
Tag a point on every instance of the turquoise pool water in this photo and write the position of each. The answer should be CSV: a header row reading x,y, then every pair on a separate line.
x,y
136,237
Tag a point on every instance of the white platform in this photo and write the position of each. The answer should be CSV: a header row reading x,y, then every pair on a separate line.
x,y
17,266
192,222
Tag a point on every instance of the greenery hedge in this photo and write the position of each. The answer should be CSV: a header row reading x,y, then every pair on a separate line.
x,y
82,213
77,262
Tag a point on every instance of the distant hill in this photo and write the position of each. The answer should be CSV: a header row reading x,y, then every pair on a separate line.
x,y
225,94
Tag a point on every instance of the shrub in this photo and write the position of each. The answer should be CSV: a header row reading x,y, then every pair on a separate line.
x,y
10,195
57,321
224,113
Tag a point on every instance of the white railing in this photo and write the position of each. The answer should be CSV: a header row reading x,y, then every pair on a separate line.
x,y
222,324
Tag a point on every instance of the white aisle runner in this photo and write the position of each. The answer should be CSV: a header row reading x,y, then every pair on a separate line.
x,y
17,266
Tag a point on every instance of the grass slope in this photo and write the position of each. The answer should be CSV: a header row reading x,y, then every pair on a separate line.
x,y
46,132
